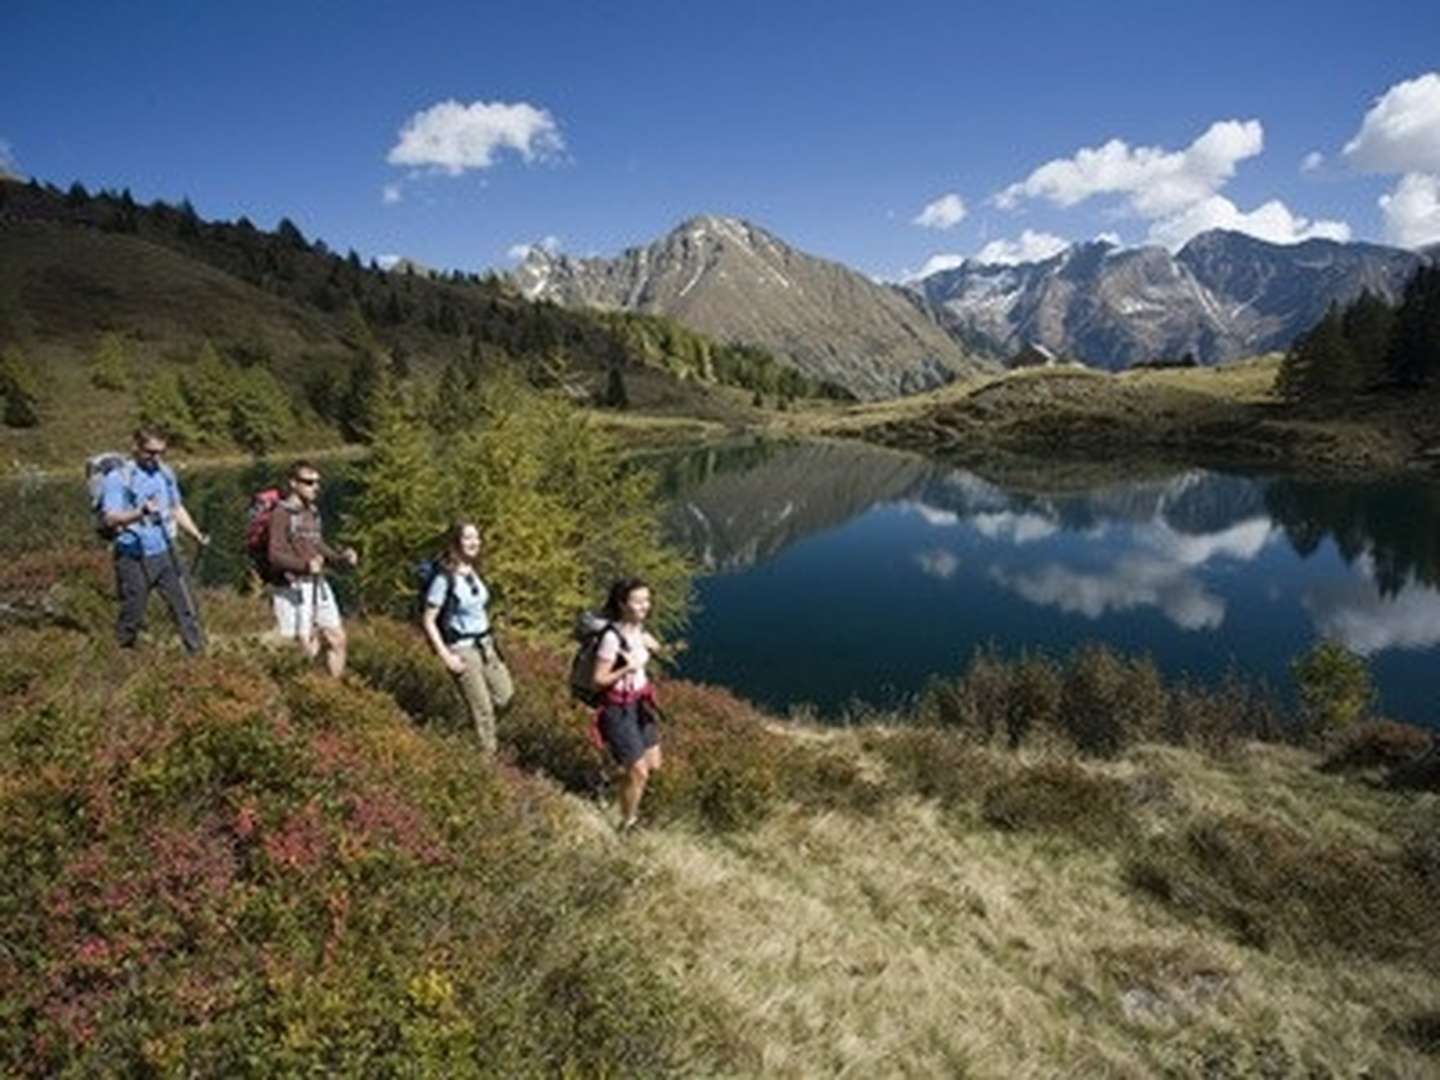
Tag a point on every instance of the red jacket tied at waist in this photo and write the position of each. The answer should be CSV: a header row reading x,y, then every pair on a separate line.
x,y
622,698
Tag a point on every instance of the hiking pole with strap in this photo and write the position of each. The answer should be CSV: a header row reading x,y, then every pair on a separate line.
x,y
181,581
313,636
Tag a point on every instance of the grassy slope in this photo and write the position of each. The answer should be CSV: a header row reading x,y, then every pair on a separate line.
x,y
1221,415
880,899
62,286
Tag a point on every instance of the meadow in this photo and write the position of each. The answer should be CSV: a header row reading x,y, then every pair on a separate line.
x,y
235,865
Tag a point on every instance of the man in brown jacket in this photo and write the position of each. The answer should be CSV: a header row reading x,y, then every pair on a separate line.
x,y
305,607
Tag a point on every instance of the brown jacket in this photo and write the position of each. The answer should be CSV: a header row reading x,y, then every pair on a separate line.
x,y
295,538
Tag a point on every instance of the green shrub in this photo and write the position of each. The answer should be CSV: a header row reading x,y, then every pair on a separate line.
x,y
1334,687
824,779
395,658
1059,796
1377,744
1271,887
205,871
722,765
544,729
1108,702
933,764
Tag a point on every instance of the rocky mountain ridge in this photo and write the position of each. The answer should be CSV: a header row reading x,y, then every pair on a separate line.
x,y
1222,296
736,282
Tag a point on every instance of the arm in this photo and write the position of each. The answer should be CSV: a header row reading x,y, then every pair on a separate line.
x,y
187,523
611,662
430,621
112,502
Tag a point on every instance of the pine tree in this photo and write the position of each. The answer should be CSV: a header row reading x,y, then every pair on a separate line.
x,y
455,406
161,403
110,366
358,403
20,390
210,390
401,511
1415,354
616,396
260,416
1369,326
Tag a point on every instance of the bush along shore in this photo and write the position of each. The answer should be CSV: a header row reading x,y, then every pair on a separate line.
x,y
235,865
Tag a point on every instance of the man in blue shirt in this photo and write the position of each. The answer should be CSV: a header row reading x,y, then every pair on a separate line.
x,y
141,502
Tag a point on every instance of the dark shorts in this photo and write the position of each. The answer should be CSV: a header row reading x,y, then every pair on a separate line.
x,y
627,733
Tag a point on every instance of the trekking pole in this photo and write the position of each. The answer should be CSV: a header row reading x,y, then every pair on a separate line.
x,y
313,636
181,581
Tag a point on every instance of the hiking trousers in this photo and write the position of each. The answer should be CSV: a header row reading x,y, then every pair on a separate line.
x,y
135,577
485,684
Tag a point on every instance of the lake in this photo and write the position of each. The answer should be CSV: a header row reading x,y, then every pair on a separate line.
x,y
838,572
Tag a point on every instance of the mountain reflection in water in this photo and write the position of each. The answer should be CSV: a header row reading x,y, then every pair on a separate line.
x,y
840,571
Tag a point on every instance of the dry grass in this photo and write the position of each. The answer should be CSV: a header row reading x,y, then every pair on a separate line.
x,y
927,940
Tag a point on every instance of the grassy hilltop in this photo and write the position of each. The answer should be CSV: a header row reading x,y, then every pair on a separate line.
x,y
234,865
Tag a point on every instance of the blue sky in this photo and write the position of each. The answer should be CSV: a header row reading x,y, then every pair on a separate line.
x,y
881,135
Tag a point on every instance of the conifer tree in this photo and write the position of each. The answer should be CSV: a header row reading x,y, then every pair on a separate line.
x,y
110,366
20,390
401,511
1415,354
210,389
358,403
1369,325
260,417
161,403
616,396
455,406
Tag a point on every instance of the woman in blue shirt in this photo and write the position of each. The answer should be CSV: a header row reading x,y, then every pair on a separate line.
x,y
458,626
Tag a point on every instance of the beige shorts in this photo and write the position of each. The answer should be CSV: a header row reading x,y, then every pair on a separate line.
x,y
304,606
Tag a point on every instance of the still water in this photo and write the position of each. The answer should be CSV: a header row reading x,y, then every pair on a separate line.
x,y
842,572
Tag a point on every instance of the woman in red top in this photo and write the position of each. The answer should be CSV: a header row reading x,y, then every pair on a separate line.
x,y
629,721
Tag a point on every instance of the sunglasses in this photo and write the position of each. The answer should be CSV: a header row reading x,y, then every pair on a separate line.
x,y
474,583
152,451
307,480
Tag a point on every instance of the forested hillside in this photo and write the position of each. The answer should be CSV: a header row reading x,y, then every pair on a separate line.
x,y
236,337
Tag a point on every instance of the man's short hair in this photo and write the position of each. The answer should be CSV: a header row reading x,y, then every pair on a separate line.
x,y
300,467
149,433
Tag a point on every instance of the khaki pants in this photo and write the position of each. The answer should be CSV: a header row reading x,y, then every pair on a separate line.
x,y
485,684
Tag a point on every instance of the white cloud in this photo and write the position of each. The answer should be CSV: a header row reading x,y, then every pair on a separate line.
x,y
1031,247
1412,211
9,166
1111,238
1243,541
1019,528
1355,613
944,213
1272,221
1135,582
390,193
1158,182
549,245
385,262
932,515
938,563
1312,161
1401,132
455,137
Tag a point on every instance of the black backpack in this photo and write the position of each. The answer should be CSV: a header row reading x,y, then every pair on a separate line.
x,y
426,571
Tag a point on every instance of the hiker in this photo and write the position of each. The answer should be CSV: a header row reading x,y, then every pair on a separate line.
x,y
304,602
456,622
629,718
140,504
